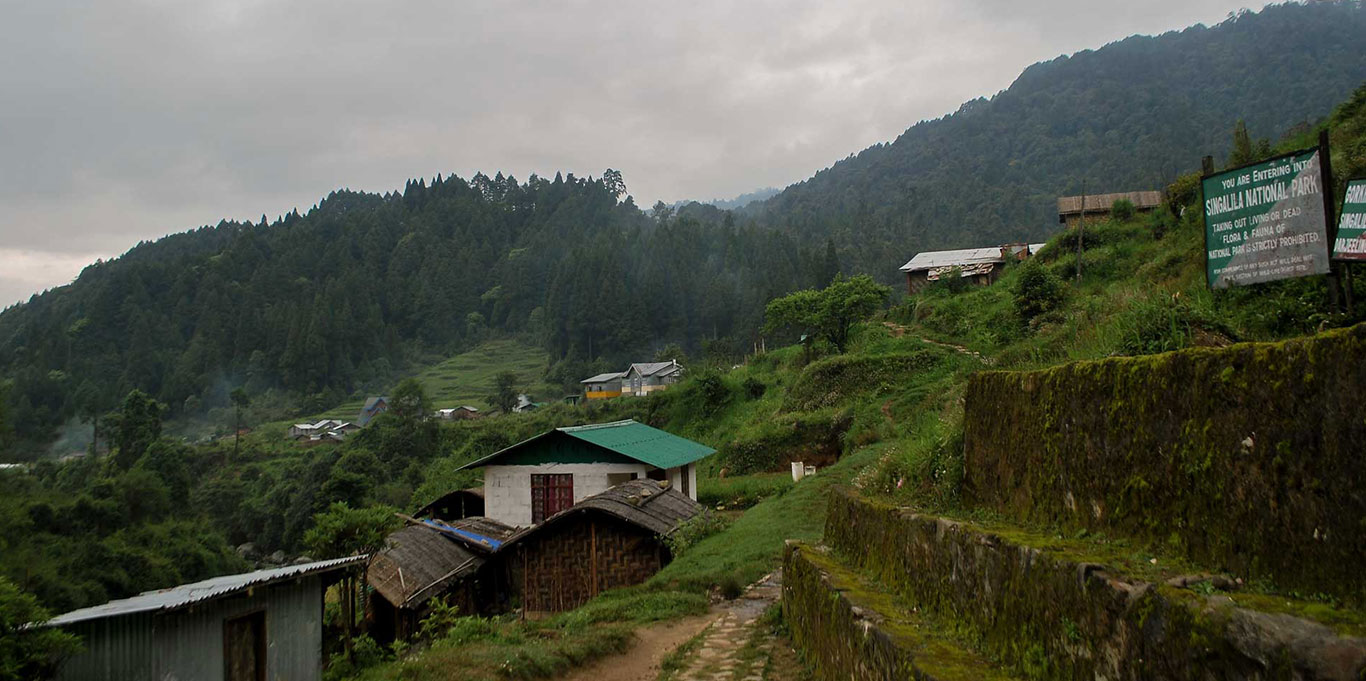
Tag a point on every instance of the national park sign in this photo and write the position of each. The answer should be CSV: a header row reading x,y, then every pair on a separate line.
x,y
1266,221
1350,243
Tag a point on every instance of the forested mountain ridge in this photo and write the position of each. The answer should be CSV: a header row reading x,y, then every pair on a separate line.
x,y
342,298
1127,116
350,295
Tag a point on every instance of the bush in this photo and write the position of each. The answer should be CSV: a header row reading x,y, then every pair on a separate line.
x,y
1123,210
1160,322
811,436
754,388
1038,291
694,530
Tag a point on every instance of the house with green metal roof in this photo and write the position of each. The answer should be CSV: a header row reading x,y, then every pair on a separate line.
x,y
532,480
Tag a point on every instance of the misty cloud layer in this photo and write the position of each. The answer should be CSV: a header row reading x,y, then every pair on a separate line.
x,y
126,120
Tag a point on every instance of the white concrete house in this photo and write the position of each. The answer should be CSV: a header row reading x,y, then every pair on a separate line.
x,y
530,481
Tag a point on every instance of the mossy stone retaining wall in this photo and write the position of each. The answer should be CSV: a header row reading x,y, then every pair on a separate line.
x,y
848,631
1250,459
1059,618
825,626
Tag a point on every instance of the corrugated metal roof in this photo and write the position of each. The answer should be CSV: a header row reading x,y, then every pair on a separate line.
x,y
628,438
185,595
959,258
603,378
641,442
652,368
1034,248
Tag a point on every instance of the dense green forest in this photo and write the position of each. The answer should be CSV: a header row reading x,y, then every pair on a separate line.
x,y
1128,116
344,298
317,307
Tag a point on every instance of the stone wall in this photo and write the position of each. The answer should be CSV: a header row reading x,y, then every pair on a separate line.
x,y
837,641
1249,459
1056,617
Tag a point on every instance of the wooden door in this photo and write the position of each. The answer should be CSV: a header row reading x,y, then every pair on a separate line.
x,y
244,648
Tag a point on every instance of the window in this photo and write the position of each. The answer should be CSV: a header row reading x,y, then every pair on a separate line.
x,y
614,479
550,494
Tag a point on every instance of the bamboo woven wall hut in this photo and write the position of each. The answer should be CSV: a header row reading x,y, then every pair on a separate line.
x,y
609,540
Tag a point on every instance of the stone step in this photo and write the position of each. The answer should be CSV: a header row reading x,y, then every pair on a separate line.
x,y
849,628
1064,609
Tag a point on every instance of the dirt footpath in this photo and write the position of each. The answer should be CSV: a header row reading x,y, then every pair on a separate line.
x,y
735,645
641,662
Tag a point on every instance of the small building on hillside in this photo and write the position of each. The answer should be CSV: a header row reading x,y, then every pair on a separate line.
x,y
526,404
605,541
460,413
1098,206
981,266
462,503
431,558
326,429
374,406
642,379
259,625
603,386
533,480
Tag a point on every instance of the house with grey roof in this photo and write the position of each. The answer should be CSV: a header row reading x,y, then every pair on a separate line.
x,y
981,266
642,379
603,386
374,406
258,625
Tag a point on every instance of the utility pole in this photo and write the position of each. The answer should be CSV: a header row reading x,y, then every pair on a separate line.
x,y
1081,227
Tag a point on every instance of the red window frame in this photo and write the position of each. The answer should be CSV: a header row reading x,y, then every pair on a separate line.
x,y
550,494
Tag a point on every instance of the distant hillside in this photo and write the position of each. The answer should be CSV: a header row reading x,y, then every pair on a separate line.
x,y
1127,116
738,202
314,308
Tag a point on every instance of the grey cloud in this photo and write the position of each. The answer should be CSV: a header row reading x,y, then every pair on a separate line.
x,y
129,119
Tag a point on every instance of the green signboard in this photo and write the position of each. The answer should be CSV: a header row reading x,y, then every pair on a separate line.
x,y
1350,243
1266,221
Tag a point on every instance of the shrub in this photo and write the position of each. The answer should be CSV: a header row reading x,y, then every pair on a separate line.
x,y
1122,210
694,530
730,587
754,388
1160,322
1037,291
811,436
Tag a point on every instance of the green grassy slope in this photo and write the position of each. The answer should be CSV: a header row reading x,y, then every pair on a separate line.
x,y
467,378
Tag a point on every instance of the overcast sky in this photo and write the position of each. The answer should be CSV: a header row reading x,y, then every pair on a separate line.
x,y
123,120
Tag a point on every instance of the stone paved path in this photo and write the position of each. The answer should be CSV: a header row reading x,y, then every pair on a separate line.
x,y
737,647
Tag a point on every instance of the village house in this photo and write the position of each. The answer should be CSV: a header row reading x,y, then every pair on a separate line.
x,y
1098,206
612,539
642,379
533,480
458,413
374,406
639,380
603,386
259,625
431,558
526,404
326,429
981,266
